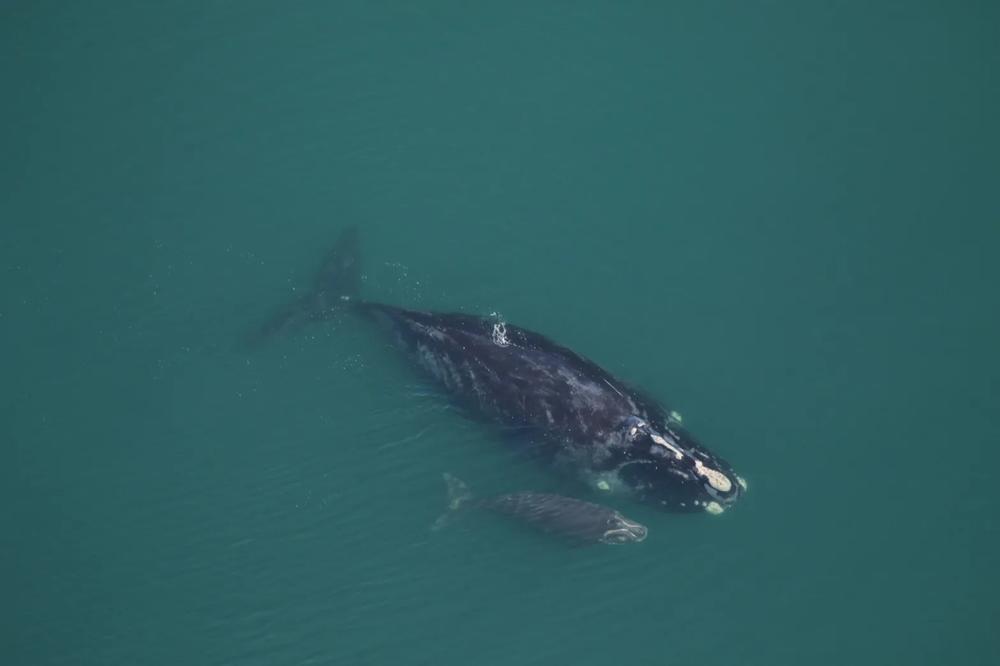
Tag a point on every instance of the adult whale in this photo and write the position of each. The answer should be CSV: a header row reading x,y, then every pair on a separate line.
x,y
580,417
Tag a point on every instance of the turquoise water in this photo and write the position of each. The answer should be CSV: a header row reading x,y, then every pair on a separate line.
x,y
780,218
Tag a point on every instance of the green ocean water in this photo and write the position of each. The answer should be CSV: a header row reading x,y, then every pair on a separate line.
x,y
781,218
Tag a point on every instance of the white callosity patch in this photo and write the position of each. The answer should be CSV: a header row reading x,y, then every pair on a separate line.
x,y
641,426
714,508
711,507
657,439
743,483
715,478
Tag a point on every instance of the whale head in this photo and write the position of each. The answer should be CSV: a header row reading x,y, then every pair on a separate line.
x,y
667,468
622,530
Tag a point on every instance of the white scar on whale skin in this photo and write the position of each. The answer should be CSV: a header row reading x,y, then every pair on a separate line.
x,y
612,387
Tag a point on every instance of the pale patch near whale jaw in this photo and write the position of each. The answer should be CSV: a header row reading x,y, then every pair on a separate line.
x,y
714,508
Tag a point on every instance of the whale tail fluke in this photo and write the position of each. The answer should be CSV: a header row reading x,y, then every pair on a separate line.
x,y
337,282
458,495
339,276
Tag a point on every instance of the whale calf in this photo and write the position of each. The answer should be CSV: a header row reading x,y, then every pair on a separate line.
x,y
572,519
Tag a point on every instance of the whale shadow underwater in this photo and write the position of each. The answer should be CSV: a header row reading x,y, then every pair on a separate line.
x,y
582,420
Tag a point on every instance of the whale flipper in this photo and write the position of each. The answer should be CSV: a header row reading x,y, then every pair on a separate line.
x,y
337,281
458,492
458,495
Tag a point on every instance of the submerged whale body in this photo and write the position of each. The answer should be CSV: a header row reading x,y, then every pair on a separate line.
x,y
581,418
567,517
